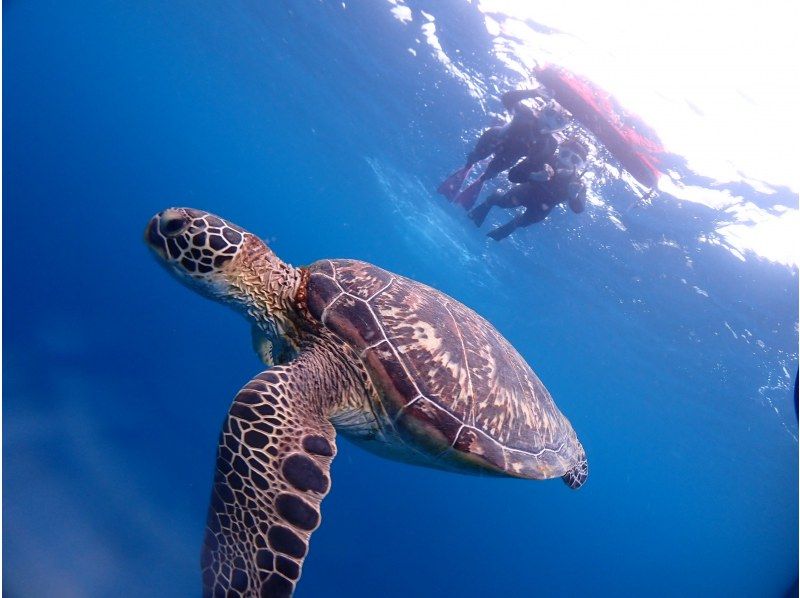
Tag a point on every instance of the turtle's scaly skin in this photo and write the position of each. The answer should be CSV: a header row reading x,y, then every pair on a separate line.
x,y
273,470
407,370
451,386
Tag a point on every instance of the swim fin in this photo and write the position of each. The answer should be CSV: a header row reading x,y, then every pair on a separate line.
x,y
501,232
452,184
468,196
479,212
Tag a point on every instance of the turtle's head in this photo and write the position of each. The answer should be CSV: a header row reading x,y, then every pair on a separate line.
x,y
222,261
196,246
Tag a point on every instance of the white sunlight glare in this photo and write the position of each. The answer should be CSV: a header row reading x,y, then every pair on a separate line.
x,y
717,81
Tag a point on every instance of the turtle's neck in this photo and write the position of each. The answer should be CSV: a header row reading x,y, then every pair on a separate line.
x,y
265,286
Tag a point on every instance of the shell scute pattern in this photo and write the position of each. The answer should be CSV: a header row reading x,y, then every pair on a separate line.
x,y
326,291
448,378
362,283
426,423
355,318
390,377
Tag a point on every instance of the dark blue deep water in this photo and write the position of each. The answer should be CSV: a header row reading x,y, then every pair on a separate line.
x,y
671,349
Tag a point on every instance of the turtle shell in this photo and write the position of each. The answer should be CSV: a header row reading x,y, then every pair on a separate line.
x,y
451,385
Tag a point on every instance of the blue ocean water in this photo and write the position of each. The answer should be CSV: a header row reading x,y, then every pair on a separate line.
x,y
671,350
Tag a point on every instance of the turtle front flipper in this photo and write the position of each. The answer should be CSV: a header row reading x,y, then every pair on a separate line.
x,y
272,472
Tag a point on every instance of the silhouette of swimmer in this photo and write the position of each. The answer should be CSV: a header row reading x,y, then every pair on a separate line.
x,y
526,133
539,189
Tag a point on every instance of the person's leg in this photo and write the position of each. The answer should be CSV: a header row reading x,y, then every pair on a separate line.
x,y
501,232
479,213
514,197
508,154
503,160
487,143
535,212
499,163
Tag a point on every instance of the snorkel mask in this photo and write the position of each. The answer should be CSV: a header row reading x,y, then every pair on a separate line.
x,y
571,155
552,118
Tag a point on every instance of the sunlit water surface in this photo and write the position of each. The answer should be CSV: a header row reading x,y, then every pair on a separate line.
x,y
665,328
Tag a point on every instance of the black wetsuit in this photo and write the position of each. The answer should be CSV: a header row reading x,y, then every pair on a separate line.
x,y
538,197
509,142
540,152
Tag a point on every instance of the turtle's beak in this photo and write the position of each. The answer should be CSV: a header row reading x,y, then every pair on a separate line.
x,y
165,225
153,239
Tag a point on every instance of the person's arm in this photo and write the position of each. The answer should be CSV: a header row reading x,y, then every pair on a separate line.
x,y
577,197
519,173
525,172
549,147
511,98
545,174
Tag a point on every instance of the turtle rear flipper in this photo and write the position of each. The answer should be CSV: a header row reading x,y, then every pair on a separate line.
x,y
576,476
272,472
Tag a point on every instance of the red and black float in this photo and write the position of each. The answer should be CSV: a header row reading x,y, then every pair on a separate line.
x,y
636,146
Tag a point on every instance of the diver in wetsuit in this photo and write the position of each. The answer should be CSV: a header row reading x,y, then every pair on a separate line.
x,y
527,132
540,189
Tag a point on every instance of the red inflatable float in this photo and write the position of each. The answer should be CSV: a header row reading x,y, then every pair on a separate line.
x,y
626,137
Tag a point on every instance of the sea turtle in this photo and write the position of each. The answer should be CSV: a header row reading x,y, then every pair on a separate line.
x,y
402,369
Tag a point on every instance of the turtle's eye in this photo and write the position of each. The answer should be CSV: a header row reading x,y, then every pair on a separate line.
x,y
172,223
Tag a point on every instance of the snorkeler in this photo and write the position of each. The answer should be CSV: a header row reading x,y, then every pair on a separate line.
x,y
526,133
539,190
